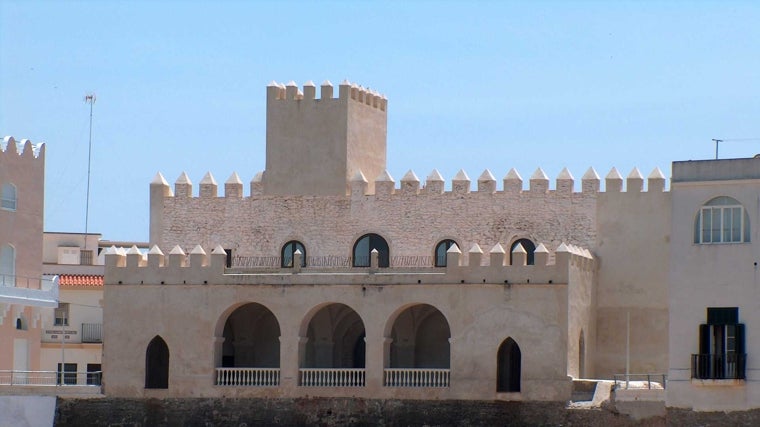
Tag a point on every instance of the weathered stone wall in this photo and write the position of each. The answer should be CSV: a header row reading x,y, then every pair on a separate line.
x,y
330,412
412,224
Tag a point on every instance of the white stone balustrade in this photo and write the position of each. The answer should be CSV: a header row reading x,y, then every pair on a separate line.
x,y
414,377
248,377
332,377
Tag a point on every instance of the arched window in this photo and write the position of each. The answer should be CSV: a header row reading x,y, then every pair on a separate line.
x,y
529,247
8,197
157,364
363,250
440,251
508,367
288,254
7,265
722,220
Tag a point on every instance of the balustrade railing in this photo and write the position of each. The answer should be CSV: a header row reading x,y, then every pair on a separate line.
x,y
50,378
331,377
248,377
412,377
718,366
333,261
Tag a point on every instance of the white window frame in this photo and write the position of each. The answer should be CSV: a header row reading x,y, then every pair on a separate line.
x,y
61,317
726,231
8,197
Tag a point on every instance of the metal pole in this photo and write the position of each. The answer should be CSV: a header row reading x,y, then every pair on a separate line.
x,y
628,348
90,99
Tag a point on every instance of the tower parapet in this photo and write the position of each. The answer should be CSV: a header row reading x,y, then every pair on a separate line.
x,y
324,139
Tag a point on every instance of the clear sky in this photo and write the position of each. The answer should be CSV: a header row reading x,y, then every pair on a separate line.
x,y
181,87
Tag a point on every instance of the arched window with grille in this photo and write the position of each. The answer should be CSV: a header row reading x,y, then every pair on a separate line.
x,y
363,251
288,254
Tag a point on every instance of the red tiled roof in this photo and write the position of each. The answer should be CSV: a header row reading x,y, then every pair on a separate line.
x,y
80,280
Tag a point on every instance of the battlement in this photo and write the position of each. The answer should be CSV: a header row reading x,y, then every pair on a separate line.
x,y
200,268
385,185
23,149
346,91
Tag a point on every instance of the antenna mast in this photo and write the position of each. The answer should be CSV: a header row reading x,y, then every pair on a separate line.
x,y
717,141
88,99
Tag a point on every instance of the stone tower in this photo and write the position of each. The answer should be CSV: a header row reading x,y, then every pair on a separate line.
x,y
315,145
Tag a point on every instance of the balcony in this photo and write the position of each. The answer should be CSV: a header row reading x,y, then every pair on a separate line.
x,y
92,332
50,378
728,366
31,291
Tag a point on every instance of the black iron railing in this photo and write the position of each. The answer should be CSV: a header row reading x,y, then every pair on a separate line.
x,y
718,366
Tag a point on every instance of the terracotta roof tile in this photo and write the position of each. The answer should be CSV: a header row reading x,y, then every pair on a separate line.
x,y
80,280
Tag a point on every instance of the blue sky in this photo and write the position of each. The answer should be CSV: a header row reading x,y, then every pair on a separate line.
x,y
181,87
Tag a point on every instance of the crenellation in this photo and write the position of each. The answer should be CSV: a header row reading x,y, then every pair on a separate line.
x,y
177,257
519,255
359,185
183,187
613,182
155,257
291,90
498,255
326,90
434,183
634,183
486,182
384,184
461,183
233,187
565,182
539,182
513,182
541,255
590,182
23,149
475,255
656,181
410,184
257,185
208,187
309,91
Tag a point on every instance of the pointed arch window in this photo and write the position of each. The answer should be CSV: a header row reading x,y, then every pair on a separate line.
x,y
8,197
440,251
363,251
157,364
288,254
722,220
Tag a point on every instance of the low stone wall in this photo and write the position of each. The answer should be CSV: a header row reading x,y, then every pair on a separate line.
x,y
330,412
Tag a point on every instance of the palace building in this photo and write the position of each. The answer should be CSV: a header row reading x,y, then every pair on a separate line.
x,y
329,278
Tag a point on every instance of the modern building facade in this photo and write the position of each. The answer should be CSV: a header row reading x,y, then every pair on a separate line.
x,y
24,294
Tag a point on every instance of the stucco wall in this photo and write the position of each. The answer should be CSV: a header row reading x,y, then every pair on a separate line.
x,y
632,243
712,275
480,317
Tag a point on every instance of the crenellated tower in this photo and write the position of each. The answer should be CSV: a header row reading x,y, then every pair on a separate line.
x,y
316,145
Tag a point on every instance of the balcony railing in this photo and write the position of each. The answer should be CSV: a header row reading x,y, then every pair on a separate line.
x,y
413,377
332,377
648,381
718,366
92,332
248,377
50,378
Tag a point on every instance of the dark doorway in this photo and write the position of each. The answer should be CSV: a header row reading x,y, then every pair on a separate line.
x,y
157,364
508,368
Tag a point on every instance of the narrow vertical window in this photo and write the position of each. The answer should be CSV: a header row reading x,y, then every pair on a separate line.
x,y
8,197
7,265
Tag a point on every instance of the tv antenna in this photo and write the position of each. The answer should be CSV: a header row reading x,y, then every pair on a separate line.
x,y
88,99
717,142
